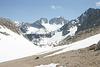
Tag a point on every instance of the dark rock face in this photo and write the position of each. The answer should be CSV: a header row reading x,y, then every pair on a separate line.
x,y
66,27
24,27
90,19
38,36
38,23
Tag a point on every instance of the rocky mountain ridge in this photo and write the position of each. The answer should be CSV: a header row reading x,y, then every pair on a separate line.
x,y
89,19
9,24
44,30
18,47
87,24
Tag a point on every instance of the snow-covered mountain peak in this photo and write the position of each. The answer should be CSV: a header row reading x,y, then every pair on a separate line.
x,y
44,31
24,27
43,24
41,20
44,20
61,27
58,20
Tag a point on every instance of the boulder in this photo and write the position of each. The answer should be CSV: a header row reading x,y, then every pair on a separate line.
x,y
97,46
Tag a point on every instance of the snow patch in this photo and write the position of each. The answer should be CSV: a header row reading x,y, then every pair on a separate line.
x,y
72,30
42,31
78,45
52,27
32,30
79,24
50,65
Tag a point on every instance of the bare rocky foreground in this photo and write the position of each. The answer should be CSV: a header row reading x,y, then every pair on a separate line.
x,y
86,57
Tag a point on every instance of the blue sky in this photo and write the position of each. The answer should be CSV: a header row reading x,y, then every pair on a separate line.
x,y
32,10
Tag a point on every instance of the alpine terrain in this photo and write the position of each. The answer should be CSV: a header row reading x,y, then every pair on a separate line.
x,y
51,43
44,32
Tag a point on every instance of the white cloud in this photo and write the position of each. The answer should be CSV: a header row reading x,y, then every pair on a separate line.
x,y
55,7
97,4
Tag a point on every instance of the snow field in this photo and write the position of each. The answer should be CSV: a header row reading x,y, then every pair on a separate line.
x,y
78,45
15,46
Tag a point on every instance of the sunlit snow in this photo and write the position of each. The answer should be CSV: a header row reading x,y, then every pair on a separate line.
x,y
52,27
78,45
15,46
50,65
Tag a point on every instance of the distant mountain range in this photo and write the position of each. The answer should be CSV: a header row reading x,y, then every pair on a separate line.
x,y
52,32
19,40
44,24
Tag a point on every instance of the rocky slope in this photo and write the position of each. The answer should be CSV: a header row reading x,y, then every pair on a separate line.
x,y
9,24
88,24
43,23
89,19
81,35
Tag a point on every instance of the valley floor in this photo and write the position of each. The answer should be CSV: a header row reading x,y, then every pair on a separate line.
x,y
78,58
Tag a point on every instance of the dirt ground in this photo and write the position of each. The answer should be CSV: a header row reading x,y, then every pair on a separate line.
x,y
79,58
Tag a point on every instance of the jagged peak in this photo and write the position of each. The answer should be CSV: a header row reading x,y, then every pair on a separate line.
x,y
42,18
60,17
90,10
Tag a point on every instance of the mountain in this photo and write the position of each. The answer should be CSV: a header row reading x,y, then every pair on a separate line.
x,y
9,24
89,19
44,31
38,23
58,20
24,27
86,25
44,24
13,44
83,31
